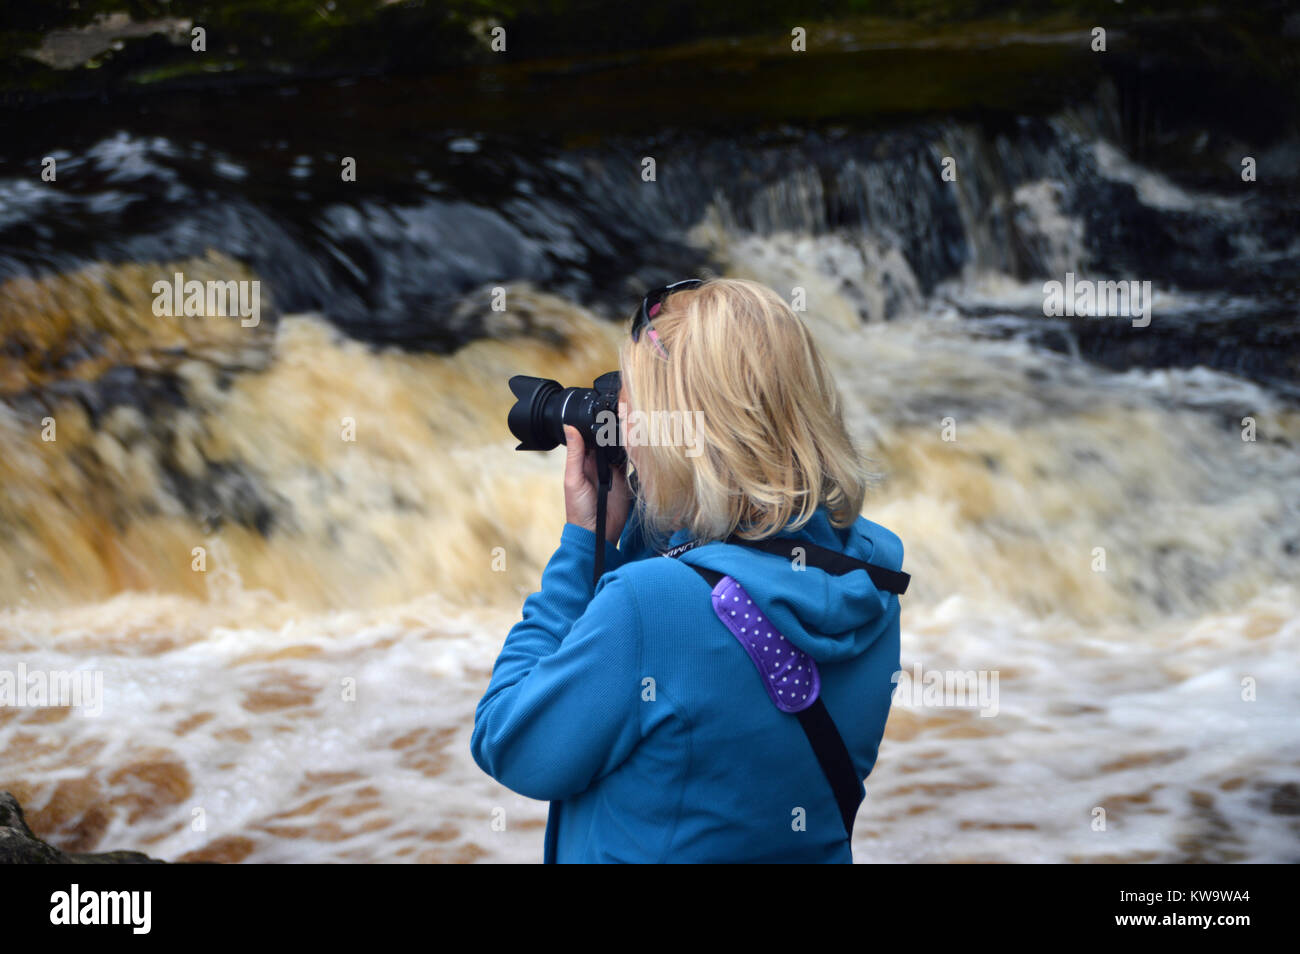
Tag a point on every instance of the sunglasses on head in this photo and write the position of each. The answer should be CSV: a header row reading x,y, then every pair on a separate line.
x,y
651,305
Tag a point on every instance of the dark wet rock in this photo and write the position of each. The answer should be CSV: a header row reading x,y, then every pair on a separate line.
x,y
1285,799
19,845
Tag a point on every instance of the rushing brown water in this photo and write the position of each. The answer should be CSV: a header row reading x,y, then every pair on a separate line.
x,y
226,691
293,555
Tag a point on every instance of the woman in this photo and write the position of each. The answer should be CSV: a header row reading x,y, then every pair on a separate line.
x,y
638,709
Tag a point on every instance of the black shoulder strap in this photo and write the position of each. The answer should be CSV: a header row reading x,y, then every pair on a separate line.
x,y
827,744
891,581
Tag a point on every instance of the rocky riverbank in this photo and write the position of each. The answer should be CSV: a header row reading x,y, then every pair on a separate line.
x,y
19,845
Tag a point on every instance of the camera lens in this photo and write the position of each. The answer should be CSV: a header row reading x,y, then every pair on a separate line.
x,y
542,408
536,417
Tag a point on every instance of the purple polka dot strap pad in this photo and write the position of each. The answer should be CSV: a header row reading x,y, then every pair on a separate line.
x,y
789,674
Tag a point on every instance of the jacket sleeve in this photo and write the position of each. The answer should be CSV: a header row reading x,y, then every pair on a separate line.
x,y
562,707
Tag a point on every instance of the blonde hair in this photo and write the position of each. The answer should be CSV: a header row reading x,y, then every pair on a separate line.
x,y
774,446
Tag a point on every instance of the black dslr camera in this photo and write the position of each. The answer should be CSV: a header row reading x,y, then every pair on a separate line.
x,y
541,409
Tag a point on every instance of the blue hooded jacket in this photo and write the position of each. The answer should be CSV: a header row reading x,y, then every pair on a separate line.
x,y
640,717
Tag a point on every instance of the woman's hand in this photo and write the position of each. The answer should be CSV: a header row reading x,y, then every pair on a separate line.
x,y
581,487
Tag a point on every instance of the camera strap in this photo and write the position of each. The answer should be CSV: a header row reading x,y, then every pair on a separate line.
x,y
891,581
604,479
791,676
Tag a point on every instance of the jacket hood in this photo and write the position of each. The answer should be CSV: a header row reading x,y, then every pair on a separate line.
x,y
829,617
